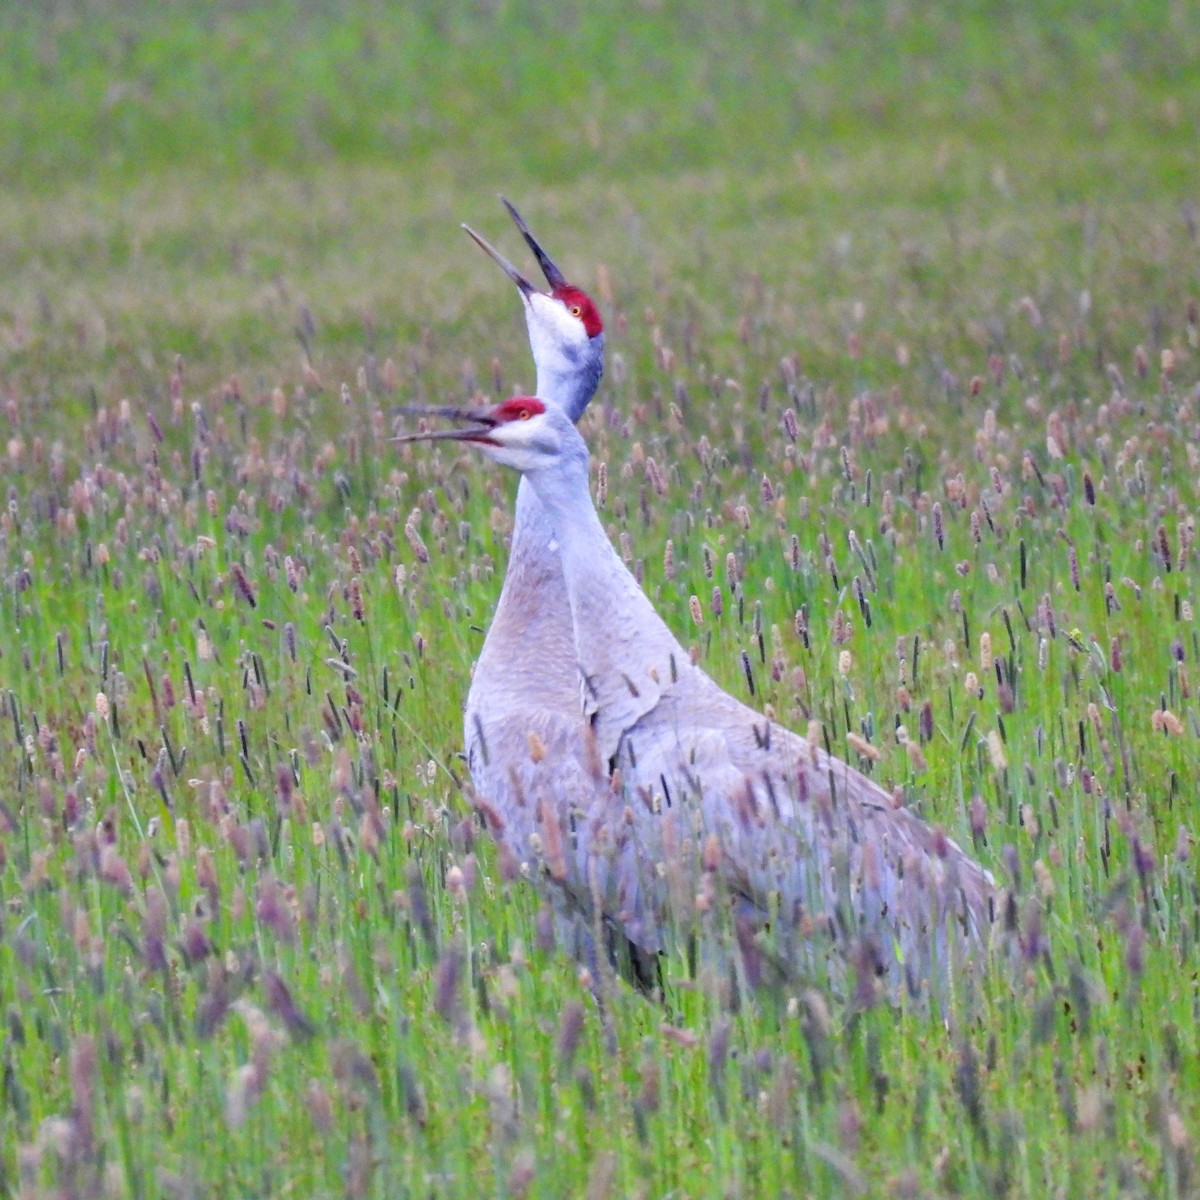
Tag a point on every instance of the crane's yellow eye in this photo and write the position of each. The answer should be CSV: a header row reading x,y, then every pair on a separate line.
x,y
524,414
576,311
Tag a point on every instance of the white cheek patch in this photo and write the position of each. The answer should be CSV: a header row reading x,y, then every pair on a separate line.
x,y
556,337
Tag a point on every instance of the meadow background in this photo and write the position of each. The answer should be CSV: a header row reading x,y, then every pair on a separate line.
x,y
902,386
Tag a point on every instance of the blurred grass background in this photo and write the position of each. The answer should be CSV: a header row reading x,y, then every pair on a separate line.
x,y
186,175
478,94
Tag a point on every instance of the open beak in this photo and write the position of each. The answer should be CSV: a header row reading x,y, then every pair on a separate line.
x,y
554,277
527,288
478,422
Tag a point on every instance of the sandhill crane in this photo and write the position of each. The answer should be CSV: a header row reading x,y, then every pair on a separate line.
x,y
523,699
694,795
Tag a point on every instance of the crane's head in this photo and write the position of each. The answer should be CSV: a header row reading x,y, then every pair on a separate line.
x,y
524,433
566,334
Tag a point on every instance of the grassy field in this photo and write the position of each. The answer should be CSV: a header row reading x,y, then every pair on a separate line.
x,y
903,306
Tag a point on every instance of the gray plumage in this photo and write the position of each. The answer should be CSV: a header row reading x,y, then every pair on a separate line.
x,y
647,802
672,804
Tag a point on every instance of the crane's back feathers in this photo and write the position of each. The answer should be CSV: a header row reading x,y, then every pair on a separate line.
x,y
806,842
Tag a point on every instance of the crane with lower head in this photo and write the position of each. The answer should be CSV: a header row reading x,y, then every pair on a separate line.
x,y
566,337
692,794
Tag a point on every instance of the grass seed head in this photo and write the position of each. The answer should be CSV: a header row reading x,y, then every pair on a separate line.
x,y
413,534
570,1032
243,585
281,1003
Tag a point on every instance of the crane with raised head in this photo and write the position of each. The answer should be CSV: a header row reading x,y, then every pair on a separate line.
x,y
694,796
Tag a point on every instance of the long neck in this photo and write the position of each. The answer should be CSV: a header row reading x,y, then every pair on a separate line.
x,y
618,635
567,380
533,606
533,568
587,555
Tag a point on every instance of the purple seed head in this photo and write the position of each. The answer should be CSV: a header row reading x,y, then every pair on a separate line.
x,y
413,534
284,782
867,989
82,1073
71,808
1143,860
447,985
1183,844
418,904
114,870
545,939
1032,944
800,623
925,722
258,836
570,1030
281,1003
1135,949
1012,864
1164,548
195,945
272,909
753,963
318,1102
655,475
243,585
978,816
154,929
649,1093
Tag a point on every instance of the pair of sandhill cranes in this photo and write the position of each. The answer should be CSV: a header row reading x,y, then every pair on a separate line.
x,y
648,803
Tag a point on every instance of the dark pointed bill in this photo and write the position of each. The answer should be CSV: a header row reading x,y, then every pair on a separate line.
x,y
526,287
554,277
477,423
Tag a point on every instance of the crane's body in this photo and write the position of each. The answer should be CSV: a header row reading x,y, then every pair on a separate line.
x,y
678,793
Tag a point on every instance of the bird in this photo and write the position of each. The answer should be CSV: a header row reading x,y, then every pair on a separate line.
x,y
697,805
523,698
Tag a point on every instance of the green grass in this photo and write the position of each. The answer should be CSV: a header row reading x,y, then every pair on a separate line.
x,y
234,957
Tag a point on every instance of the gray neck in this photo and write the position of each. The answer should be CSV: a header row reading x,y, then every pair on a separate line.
x,y
617,630
562,490
572,382
528,656
531,526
